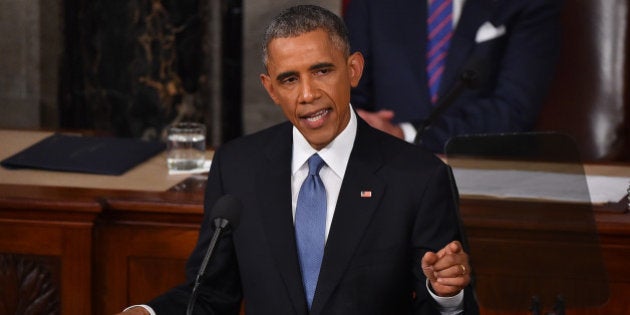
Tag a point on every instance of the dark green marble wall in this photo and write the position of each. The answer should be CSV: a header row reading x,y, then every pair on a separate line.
x,y
130,68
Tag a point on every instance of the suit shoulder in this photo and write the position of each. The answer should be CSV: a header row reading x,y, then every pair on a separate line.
x,y
257,141
399,151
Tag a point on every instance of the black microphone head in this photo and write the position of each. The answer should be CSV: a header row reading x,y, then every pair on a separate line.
x,y
228,208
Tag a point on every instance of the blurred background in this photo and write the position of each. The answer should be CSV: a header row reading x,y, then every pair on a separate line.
x,y
129,68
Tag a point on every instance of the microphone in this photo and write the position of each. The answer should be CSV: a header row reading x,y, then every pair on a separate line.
x,y
225,213
469,78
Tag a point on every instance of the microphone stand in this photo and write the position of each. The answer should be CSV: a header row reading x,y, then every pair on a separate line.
x,y
219,224
467,79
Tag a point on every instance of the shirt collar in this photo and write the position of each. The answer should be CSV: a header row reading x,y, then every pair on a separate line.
x,y
336,154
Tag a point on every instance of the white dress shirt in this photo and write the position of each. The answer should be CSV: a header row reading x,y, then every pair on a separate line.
x,y
336,156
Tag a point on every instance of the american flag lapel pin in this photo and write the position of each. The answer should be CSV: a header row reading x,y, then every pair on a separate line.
x,y
366,194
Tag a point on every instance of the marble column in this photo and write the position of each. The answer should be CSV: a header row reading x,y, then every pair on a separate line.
x,y
130,68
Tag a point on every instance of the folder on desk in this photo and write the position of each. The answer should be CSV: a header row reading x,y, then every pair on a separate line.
x,y
83,154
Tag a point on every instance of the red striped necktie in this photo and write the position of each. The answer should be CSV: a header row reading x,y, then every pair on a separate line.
x,y
439,32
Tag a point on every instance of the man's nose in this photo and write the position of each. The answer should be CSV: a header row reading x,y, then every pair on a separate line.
x,y
308,91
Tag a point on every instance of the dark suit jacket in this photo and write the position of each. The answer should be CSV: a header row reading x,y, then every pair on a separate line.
x,y
516,68
371,263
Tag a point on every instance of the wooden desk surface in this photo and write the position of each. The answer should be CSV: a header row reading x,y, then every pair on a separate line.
x,y
151,175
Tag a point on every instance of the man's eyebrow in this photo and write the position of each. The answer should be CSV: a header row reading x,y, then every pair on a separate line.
x,y
321,65
285,75
317,66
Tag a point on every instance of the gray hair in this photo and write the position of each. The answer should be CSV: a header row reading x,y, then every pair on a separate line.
x,y
301,19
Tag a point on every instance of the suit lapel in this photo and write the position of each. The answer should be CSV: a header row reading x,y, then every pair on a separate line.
x,y
474,14
352,214
274,193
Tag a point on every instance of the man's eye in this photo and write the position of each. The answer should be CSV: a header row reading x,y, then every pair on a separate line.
x,y
322,71
289,80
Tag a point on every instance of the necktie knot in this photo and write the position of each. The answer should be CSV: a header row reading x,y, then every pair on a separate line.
x,y
315,163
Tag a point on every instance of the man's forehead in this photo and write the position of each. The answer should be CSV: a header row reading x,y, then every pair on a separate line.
x,y
317,33
295,50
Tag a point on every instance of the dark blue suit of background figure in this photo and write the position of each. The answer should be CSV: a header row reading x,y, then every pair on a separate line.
x,y
517,42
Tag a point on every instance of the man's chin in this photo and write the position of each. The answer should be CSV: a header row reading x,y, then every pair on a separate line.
x,y
318,142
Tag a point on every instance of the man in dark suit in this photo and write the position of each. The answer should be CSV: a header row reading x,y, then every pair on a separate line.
x,y
512,44
391,217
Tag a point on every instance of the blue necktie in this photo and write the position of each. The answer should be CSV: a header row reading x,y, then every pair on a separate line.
x,y
439,33
310,226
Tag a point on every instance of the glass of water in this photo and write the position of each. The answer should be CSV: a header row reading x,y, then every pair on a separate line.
x,y
186,146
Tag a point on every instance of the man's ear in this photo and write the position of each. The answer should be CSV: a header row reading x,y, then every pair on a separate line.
x,y
355,68
265,79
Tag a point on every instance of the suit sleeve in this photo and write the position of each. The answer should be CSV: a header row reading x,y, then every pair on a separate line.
x,y
220,292
517,73
437,224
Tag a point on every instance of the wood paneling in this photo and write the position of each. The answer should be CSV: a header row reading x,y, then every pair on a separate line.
x,y
501,245
30,284
137,262
53,226
116,247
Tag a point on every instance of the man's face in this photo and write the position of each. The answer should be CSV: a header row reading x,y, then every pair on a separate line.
x,y
310,79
